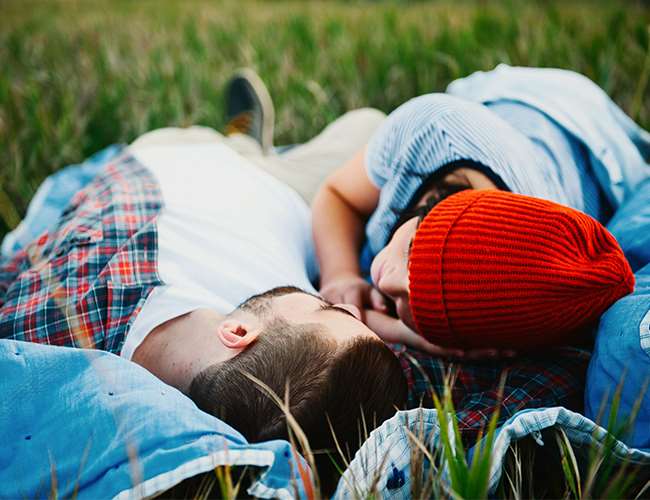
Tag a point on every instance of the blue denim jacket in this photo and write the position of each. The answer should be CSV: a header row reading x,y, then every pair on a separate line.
x,y
88,423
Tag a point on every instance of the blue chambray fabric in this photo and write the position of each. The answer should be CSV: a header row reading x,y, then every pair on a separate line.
x,y
619,149
622,348
622,355
560,149
52,196
385,457
430,134
108,428
631,227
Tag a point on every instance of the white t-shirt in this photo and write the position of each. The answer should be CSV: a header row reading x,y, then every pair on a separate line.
x,y
227,231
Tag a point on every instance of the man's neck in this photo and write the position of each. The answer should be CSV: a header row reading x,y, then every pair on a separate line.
x,y
179,349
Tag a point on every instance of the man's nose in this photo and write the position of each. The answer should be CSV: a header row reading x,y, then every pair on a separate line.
x,y
352,309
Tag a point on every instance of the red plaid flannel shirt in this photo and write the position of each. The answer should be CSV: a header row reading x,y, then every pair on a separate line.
x,y
81,283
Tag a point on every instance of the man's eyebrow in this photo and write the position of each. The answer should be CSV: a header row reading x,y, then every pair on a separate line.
x,y
330,307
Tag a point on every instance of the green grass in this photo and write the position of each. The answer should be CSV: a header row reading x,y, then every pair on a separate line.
x,y
78,75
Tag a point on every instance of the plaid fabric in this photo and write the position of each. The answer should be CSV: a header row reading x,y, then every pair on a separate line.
x,y
557,379
82,282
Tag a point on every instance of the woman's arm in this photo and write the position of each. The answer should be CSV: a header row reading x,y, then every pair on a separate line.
x,y
340,211
394,331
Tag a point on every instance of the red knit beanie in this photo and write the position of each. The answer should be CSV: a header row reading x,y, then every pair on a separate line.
x,y
490,268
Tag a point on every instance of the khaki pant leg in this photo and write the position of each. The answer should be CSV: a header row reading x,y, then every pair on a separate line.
x,y
305,167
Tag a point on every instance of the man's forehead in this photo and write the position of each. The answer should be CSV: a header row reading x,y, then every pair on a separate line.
x,y
299,306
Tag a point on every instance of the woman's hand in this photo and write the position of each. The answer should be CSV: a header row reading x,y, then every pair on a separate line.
x,y
353,289
393,330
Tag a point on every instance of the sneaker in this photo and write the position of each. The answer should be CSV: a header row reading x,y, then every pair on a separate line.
x,y
249,108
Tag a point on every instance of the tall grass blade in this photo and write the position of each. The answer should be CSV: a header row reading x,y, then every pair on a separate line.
x,y
569,463
310,481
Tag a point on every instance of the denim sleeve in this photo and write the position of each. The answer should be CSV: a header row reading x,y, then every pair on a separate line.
x,y
52,197
621,359
631,226
622,350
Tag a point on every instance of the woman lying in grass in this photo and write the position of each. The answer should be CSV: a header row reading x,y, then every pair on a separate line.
x,y
545,133
551,134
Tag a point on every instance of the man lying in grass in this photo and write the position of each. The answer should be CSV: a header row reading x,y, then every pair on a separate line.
x,y
150,261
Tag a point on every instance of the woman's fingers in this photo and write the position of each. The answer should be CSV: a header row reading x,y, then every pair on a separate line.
x,y
387,327
412,339
347,289
377,300
394,330
331,293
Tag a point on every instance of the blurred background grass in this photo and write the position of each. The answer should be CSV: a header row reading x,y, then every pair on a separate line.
x,y
76,76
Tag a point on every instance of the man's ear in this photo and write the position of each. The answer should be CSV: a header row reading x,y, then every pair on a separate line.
x,y
237,334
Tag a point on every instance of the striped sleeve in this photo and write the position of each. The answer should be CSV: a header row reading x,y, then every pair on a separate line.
x,y
389,147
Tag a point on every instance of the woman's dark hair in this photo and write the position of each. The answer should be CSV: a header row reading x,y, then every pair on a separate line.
x,y
440,190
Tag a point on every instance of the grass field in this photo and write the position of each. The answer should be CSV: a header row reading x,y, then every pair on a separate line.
x,y
79,75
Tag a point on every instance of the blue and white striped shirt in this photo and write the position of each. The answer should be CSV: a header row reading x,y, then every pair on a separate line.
x,y
546,151
562,150
517,146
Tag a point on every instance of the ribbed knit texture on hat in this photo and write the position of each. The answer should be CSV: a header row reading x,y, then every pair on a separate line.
x,y
490,268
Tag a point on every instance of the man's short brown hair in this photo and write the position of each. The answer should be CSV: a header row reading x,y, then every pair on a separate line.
x,y
325,380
